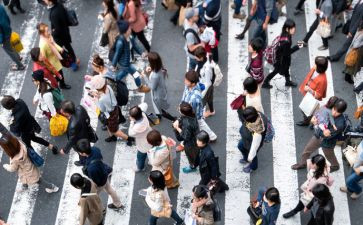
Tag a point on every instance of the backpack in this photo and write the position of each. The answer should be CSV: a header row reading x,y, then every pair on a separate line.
x,y
122,96
191,30
270,52
58,97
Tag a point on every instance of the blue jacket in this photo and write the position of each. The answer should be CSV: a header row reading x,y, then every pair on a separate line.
x,y
264,8
122,51
97,171
213,11
5,29
269,213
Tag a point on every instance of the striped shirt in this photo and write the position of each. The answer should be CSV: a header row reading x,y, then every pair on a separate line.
x,y
194,98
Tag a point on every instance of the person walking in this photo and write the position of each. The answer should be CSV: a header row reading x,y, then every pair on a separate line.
x,y
15,3
28,173
51,51
255,65
110,27
98,171
283,55
24,124
193,95
139,128
192,40
60,29
5,35
91,208
158,200
237,4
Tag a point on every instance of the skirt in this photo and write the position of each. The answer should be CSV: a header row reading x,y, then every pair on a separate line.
x,y
112,121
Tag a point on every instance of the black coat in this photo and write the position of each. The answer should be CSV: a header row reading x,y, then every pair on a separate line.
x,y
78,128
324,214
23,121
283,55
208,166
59,24
190,128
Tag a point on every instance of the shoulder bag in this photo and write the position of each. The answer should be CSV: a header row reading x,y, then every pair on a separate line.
x,y
324,29
34,157
309,104
352,57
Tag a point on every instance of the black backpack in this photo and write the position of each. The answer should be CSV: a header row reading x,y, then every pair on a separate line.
x,y
191,30
122,93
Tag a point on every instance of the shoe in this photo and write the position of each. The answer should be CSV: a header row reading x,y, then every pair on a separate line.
x,y
348,78
240,36
52,190
17,68
355,196
104,127
239,16
189,169
243,161
54,150
180,148
266,85
173,21
289,214
334,168
290,83
213,140
143,89
332,58
65,86
302,123
111,138
78,163
298,11
74,66
298,166
112,206
247,169
207,114
344,189
322,48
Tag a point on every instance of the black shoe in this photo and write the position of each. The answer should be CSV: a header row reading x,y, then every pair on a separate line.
x,y
240,36
332,58
78,163
55,150
348,78
356,91
266,85
290,83
111,139
65,86
112,206
121,119
104,127
334,168
174,21
289,214
302,123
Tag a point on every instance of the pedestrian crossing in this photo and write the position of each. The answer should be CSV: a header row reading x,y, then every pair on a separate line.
x,y
285,145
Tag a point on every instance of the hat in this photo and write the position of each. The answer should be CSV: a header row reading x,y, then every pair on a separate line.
x,y
38,75
189,13
98,82
123,26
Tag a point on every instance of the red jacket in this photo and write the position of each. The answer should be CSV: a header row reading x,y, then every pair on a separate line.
x,y
319,84
47,74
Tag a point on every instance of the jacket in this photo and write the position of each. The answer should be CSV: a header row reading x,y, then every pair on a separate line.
x,y
122,52
48,75
213,11
139,130
206,212
90,206
283,55
322,215
97,171
335,135
133,15
59,24
78,128
205,70
5,29
20,163
207,165
190,128
326,8
110,27
157,84
255,68
264,8
23,121
269,213
159,157
357,17
155,198
46,102
319,84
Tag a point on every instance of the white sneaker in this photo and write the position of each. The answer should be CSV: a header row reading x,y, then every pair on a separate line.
x,y
355,196
52,190
344,189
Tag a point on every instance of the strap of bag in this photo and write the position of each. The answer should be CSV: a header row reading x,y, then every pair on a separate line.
x,y
191,30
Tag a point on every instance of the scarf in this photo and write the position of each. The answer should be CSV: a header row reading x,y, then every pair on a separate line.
x,y
45,63
257,126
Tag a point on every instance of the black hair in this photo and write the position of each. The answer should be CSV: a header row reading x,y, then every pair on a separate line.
x,y
77,180
136,113
83,146
250,85
289,24
186,109
250,114
68,107
257,44
331,102
157,179
320,163
321,63
154,138
200,191
192,76
322,193
340,106
273,195
8,102
34,54
203,137
111,8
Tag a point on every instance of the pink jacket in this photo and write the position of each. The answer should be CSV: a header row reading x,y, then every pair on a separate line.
x,y
133,15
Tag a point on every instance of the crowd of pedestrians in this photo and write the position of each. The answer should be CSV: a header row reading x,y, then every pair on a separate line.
x,y
124,21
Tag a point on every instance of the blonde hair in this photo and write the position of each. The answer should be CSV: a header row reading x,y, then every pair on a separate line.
x,y
41,27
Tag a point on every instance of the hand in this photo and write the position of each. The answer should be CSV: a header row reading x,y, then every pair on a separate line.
x,y
314,120
326,133
264,26
357,170
176,124
62,152
6,167
300,45
349,35
306,88
306,209
317,11
257,204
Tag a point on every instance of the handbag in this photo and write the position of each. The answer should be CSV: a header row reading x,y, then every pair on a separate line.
x,y
324,29
58,125
104,40
92,136
67,59
309,104
15,42
351,154
218,76
352,57
165,211
238,102
34,157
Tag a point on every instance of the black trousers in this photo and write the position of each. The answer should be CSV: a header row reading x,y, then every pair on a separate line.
x,y
141,36
208,98
28,137
311,31
67,46
276,70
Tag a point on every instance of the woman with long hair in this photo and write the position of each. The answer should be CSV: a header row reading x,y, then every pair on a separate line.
x,y
110,21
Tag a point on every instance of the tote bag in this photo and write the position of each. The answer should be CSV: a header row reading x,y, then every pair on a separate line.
x,y
324,29
309,104
351,154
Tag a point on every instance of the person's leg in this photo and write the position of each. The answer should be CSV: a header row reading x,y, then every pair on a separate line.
x,y
287,76
299,5
110,191
254,164
26,138
240,148
311,146
259,32
238,5
204,126
132,70
152,220
311,30
192,64
330,156
266,82
141,36
12,53
215,54
210,99
140,160
121,74
299,207
47,184
353,183
176,217
38,140
342,50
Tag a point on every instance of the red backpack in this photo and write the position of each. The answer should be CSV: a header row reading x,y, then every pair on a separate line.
x,y
270,52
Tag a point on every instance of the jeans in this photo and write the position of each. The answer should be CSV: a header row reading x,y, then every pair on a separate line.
x,y
259,32
128,70
140,160
192,64
174,215
312,28
12,53
353,183
254,164
238,5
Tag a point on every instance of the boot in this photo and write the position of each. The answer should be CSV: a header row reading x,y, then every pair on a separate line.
x,y
348,78
143,89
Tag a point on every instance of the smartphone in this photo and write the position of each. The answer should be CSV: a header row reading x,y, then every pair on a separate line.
x,y
142,192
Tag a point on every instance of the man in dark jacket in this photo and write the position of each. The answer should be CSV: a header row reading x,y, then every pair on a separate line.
x,y
98,171
23,123
78,127
60,28
212,15
5,33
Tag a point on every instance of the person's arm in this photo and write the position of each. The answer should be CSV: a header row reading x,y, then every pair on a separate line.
x,y
72,135
269,5
256,142
253,8
119,46
208,73
48,99
36,98
132,132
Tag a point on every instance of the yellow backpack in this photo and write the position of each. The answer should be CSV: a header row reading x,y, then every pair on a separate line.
x,y
58,125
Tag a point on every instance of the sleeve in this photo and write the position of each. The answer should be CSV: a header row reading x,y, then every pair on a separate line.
x,y
310,203
119,46
154,81
213,167
48,99
294,49
83,211
72,134
59,48
132,133
261,192
256,141
36,97
328,217
269,4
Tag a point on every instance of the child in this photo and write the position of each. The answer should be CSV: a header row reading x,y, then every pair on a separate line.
x,y
324,116
255,67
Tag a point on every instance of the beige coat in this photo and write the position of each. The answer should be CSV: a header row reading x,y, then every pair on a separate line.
x,y
27,172
91,207
110,27
159,157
